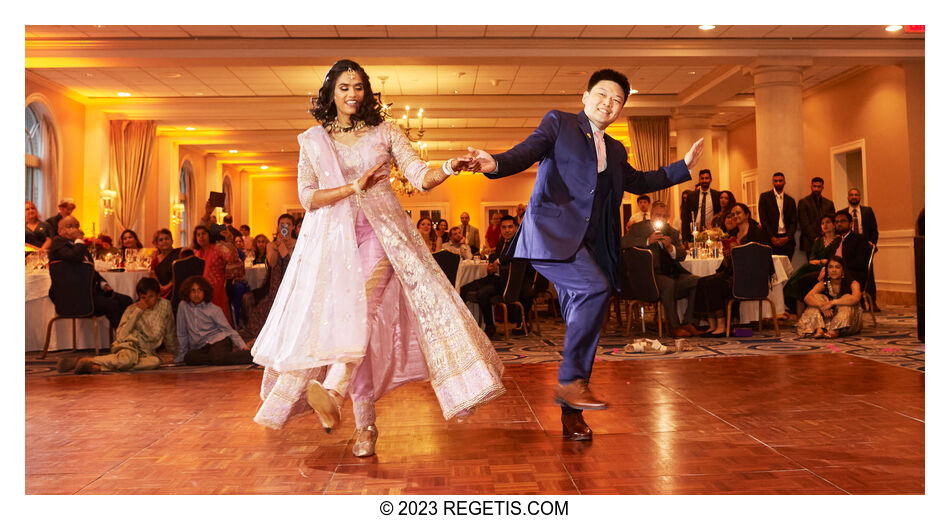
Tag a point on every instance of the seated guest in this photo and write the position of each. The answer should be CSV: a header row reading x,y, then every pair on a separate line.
x,y
483,289
144,327
204,335
259,249
38,232
161,264
129,242
726,201
520,211
493,233
472,238
69,247
643,211
853,247
429,236
821,250
277,257
457,245
66,208
247,238
673,281
442,229
834,304
239,244
714,291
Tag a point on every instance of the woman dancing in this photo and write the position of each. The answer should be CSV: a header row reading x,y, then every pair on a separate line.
x,y
362,294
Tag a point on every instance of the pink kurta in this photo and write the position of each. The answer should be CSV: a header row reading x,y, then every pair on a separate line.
x,y
320,316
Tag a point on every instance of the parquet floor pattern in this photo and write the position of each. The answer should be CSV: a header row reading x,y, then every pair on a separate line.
x,y
791,424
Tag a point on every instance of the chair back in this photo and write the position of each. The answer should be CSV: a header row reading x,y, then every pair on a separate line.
x,y
71,287
449,263
637,279
752,265
182,269
871,255
516,273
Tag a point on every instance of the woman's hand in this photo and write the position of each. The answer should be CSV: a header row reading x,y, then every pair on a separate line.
x,y
373,175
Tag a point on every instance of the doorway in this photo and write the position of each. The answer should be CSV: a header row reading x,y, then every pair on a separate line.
x,y
848,170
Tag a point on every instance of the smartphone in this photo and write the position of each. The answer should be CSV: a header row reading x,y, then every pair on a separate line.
x,y
284,230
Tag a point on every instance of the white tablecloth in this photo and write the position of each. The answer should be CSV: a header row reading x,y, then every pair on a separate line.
x,y
469,271
255,275
40,309
748,311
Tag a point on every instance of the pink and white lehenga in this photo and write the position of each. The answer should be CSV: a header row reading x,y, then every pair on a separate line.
x,y
362,289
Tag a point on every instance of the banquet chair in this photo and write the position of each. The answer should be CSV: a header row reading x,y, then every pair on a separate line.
x,y
182,269
754,261
865,296
511,296
71,289
449,263
638,285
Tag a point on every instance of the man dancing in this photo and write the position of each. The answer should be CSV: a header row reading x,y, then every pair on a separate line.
x,y
571,230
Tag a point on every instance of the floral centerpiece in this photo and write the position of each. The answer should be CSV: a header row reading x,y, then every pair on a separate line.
x,y
710,235
100,246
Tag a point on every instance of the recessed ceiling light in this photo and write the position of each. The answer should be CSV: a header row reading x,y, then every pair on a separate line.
x,y
199,93
707,27
232,151
123,94
456,91
634,91
189,128
893,28
89,75
172,75
692,73
263,166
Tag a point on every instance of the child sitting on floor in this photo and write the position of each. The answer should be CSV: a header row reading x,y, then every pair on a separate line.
x,y
204,335
145,325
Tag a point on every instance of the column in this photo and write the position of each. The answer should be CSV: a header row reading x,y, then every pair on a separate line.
x,y
914,93
779,135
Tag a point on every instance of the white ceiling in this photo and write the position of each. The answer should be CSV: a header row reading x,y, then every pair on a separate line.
x,y
247,87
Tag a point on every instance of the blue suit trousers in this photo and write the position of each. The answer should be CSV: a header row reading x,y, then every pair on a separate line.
x,y
583,292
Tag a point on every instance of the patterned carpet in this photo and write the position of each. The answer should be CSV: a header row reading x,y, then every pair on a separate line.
x,y
893,341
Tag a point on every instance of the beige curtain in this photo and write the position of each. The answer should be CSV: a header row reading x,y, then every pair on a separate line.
x,y
50,166
650,145
131,147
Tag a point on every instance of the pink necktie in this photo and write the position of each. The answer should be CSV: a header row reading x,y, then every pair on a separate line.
x,y
601,152
840,245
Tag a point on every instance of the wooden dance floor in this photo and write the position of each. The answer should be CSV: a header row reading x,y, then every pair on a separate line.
x,y
793,424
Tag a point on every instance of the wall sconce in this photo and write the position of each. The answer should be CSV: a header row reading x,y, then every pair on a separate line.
x,y
178,212
107,197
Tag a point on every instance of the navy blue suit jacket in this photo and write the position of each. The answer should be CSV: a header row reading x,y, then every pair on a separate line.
x,y
559,210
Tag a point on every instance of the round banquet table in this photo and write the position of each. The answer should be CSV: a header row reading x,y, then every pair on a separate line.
x,y
748,310
469,271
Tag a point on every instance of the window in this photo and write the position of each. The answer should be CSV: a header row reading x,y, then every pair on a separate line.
x,y
34,150
185,183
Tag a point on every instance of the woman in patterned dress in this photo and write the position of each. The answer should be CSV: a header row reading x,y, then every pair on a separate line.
x,y
834,304
362,299
221,263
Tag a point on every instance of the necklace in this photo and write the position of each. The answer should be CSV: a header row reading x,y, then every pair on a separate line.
x,y
335,126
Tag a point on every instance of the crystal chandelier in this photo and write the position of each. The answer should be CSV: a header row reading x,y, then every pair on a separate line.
x,y
397,179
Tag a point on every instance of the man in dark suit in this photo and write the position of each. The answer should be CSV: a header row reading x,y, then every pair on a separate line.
x,y
69,247
673,281
854,248
571,230
485,288
864,222
66,208
778,216
810,210
702,205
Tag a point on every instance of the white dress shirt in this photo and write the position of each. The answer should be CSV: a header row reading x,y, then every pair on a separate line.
x,y
780,202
